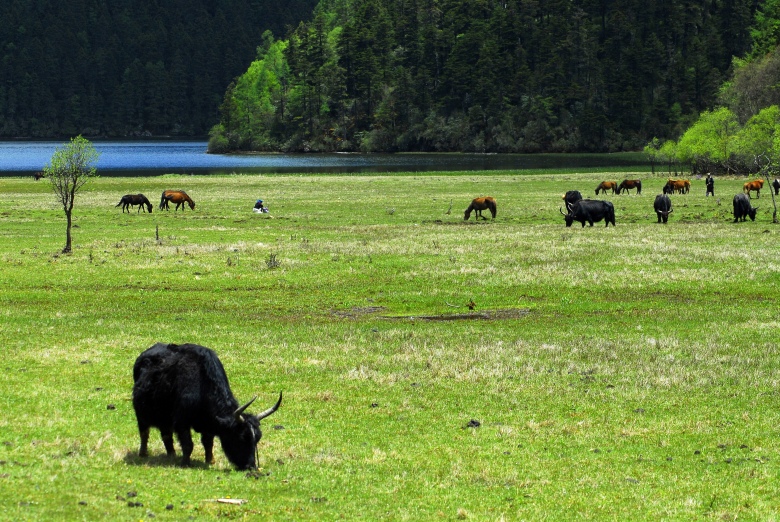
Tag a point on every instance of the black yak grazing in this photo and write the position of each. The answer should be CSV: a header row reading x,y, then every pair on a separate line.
x,y
182,387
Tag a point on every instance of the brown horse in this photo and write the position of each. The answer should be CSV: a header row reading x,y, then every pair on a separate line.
x,y
480,204
175,196
756,185
628,184
131,200
604,186
683,186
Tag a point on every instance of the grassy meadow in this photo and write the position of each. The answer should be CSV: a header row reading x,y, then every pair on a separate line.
x,y
626,373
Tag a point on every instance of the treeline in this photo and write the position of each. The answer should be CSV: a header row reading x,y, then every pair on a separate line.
x,y
741,133
485,76
129,68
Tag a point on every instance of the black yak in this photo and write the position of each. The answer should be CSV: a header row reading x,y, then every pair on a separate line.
x,y
663,207
182,387
590,211
743,208
571,197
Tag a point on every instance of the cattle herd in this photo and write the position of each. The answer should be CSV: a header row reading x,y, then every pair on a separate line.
x,y
586,210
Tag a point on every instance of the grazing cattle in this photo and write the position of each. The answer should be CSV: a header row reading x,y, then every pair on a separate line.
x,y
176,196
571,197
776,185
743,208
131,200
604,186
628,184
663,207
480,204
590,211
756,185
39,175
683,186
182,387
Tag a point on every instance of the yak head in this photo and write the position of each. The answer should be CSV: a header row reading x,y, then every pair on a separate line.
x,y
568,217
752,213
241,433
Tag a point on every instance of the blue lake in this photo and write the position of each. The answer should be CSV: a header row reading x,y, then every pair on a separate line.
x,y
149,158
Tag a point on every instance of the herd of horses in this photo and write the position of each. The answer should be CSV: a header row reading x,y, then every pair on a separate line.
x,y
179,197
681,186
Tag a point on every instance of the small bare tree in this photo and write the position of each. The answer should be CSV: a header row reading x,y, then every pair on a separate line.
x,y
71,167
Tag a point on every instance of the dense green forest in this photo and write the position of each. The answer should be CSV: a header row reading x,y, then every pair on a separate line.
x,y
486,75
127,67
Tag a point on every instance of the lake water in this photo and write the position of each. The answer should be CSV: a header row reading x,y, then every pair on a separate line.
x,y
148,158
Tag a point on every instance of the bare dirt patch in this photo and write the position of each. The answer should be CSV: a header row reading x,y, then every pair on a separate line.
x,y
489,315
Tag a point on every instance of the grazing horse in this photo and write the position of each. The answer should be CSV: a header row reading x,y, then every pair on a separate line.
x,y
683,186
756,185
628,184
604,186
480,204
131,200
175,196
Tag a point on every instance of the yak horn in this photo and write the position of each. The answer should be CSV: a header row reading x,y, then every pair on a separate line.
x,y
239,411
270,410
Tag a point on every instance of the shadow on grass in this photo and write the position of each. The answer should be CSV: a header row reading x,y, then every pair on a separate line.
x,y
160,461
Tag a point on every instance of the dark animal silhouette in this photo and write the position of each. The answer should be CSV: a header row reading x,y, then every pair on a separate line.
x,y
131,200
776,186
571,197
604,186
756,185
182,387
663,207
743,209
590,211
628,184
175,196
480,204
39,175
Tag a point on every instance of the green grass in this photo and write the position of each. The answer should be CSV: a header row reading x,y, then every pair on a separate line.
x,y
633,376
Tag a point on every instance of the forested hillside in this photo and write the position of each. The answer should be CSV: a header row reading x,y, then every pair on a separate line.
x,y
486,75
127,68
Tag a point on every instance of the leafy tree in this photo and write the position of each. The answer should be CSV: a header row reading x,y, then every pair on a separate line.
x,y
710,142
71,168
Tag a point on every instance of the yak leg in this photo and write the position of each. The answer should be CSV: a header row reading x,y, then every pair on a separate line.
x,y
185,440
208,445
167,438
144,451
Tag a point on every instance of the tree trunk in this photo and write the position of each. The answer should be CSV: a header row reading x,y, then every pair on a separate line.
x,y
66,250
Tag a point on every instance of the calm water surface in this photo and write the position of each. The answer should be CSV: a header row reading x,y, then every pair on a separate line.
x,y
148,158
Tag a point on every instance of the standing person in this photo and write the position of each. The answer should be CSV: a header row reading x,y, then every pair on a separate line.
x,y
710,182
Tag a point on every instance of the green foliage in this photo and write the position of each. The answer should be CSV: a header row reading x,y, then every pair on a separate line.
x,y
710,142
106,68
455,75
